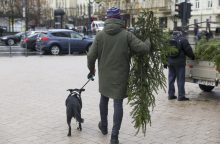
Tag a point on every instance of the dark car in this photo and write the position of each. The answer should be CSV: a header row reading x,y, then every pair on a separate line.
x,y
58,41
29,42
12,39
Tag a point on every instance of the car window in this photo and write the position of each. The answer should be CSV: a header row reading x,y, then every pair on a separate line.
x,y
19,34
75,35
61,34
101,24
33,36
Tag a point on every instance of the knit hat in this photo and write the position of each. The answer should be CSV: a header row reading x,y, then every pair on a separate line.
x,y
113,12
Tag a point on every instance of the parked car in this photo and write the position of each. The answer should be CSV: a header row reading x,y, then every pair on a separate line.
x,y
69,26
79,29
30,39
34,32
12,39
29,42
58,41
97,26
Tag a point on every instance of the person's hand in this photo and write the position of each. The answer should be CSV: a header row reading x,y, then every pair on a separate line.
x,y
193,57
91,75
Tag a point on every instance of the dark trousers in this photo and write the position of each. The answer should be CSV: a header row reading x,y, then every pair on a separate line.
x,y
179,73
118,113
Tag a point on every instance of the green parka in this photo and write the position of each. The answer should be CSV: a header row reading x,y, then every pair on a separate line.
x,y
112,47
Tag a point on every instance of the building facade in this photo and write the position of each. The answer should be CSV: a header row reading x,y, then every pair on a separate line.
x,y
77,11
202,11
164,10
67,7
131,8
83,11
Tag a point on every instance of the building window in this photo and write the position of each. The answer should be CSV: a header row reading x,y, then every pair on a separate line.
x,y
180,1
197,4
163,22
209,3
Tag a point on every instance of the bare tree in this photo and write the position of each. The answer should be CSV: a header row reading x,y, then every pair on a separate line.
x,y
37,12
10,9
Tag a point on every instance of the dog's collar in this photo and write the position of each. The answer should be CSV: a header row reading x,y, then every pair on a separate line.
x,y
75,92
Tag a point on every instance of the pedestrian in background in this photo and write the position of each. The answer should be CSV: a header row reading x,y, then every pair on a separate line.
x,y
196,29
84,30
112,47
176,66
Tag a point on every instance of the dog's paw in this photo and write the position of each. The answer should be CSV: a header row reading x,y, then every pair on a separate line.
x,y
80,129
69,134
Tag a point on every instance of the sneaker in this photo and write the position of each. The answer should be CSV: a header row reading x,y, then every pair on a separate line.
x,y
104,130
183,99
172,97
114,140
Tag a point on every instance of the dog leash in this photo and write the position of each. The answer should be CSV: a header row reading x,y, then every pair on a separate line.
x,y
87,82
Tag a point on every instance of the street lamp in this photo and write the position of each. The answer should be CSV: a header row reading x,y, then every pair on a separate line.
x,y
24,13
89,14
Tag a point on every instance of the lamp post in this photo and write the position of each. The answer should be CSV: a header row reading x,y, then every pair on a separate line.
x,y
131,15
89,17
24,13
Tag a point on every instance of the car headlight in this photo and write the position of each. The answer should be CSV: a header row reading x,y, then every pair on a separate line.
x,y
4,38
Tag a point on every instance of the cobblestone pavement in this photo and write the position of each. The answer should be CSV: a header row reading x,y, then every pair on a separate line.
x,y
33,92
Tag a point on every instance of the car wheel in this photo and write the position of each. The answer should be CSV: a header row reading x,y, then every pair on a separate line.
x,y
33,47
55,50
10,42
206,88
87,49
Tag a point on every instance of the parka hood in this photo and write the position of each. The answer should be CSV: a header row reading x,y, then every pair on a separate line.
x,y
113,26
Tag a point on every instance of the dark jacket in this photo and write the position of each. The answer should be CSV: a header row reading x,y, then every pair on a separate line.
x,y
186,50
112,48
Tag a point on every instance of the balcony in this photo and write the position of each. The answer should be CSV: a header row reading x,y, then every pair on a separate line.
x,y
163,6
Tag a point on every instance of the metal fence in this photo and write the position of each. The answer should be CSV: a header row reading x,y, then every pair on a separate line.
x,y
16,50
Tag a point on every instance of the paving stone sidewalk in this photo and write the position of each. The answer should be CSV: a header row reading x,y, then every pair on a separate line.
x,y
32,107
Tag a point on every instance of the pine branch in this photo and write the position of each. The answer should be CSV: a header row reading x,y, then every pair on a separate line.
x,y
146,75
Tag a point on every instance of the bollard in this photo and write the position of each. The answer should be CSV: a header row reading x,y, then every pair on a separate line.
x,y
40,50
69,47
10,51
26,53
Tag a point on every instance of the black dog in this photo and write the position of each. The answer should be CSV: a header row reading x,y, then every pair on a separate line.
x,y
73,108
